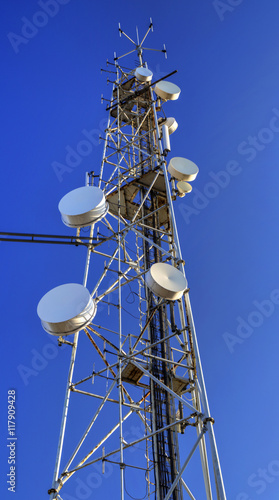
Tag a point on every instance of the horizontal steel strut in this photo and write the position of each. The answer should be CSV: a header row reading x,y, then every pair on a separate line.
x,y
49,238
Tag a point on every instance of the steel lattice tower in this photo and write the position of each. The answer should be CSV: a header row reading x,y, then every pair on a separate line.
x,y
147,372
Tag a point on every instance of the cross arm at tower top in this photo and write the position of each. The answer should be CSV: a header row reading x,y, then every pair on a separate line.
x,y
138,45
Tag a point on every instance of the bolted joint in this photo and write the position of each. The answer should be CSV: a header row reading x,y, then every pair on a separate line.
x,y
209,419
181,261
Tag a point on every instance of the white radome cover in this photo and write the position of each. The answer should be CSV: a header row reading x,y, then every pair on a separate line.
x,y
166,281
167,90
183,169
81,206
66,309
143,74
171,124
184,187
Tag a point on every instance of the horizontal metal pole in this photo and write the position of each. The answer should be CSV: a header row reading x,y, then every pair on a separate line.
x,y
98,396
49,238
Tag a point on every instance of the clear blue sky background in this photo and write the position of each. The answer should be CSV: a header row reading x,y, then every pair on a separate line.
x,y
227,61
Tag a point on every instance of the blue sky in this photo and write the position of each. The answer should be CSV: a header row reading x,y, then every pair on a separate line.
x,y
226,54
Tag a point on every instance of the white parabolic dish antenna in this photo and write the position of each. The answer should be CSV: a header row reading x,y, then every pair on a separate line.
x,y
183,169
66,309
167,90
171,124
166,281
184,187
143,74
82,206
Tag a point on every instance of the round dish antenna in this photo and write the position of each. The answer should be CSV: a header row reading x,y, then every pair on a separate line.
x,y
66,309
143,74
183,169
183,188
83,206
166,281
170,122
167,90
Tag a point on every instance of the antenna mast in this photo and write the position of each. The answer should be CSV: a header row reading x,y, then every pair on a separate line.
x,y
148,415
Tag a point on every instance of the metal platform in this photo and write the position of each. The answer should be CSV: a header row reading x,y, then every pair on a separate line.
x,y
130,190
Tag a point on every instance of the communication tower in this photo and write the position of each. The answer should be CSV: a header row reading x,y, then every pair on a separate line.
x,y
137,363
